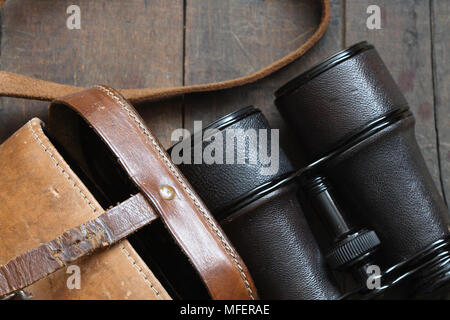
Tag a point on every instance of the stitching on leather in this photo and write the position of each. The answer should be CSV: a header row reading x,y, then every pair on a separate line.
x,y
169,164
94,209
139,269
61,169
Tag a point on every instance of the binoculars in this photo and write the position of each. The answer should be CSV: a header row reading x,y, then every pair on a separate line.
x,y
362,220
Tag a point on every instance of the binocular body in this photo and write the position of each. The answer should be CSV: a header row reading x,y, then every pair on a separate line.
x,y
364,138
259,212
366,180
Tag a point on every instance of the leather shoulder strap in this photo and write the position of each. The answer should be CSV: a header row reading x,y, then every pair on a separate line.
x,y
15,85
151,169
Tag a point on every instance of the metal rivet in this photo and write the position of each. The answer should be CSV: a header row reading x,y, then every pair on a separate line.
x,y
167,192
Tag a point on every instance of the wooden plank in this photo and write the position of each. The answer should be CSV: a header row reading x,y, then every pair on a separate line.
x,y
134,44
404,44
441,70
228,39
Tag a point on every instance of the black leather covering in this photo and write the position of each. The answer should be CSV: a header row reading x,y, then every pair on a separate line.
x,y
220,185
279,248
265,223
383,180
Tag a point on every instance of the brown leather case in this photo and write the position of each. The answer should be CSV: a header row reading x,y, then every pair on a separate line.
x,y
50,218
40,198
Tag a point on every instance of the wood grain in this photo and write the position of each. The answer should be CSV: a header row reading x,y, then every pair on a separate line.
x,y
403,42
226,39
139,44
441,70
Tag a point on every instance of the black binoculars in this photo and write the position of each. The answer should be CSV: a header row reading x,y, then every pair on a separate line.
x,y
362,220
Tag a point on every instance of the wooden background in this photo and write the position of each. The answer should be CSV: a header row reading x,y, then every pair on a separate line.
x,y
158,43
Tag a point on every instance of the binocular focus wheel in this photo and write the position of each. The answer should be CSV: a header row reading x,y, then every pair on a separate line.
x,y
354,247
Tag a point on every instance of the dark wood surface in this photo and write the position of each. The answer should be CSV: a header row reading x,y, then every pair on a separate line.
x,y
440,13
158,43
123,44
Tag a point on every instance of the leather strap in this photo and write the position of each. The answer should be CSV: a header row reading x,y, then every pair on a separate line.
x,y
103,231
147,164
15,85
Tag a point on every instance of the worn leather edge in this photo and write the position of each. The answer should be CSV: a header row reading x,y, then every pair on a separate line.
x,y
103,231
